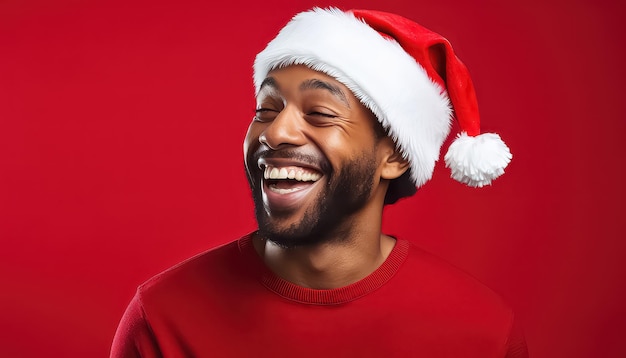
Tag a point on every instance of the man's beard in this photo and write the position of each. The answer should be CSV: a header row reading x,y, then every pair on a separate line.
x,y
328,218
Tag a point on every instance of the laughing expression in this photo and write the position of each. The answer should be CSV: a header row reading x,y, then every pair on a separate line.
x,y
311,157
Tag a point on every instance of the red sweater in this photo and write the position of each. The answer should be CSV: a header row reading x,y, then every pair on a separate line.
x,y
226,303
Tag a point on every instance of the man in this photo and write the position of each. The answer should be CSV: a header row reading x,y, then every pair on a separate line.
x,y
352,109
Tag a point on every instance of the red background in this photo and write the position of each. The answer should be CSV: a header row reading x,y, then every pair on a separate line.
x,y
121,127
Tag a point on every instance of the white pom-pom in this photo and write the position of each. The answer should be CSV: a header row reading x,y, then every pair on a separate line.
x,y
476,161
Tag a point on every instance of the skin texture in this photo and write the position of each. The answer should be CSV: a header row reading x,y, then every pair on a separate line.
x,y
325,233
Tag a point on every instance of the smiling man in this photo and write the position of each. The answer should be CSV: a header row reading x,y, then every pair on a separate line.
x,y
352,110
317,150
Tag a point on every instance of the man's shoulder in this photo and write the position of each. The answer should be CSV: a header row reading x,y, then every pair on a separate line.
x,y
439,285
210,269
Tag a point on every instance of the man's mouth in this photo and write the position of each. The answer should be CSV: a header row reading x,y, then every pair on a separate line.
x,y
289,179
286,185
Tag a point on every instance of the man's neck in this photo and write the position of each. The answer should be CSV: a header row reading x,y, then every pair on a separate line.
x,y
332,264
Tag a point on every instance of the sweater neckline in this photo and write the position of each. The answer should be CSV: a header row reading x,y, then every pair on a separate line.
x,y
333,296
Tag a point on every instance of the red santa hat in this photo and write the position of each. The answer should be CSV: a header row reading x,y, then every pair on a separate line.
x,y
407,75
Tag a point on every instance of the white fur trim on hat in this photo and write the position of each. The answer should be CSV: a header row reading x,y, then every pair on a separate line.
x,y
415,110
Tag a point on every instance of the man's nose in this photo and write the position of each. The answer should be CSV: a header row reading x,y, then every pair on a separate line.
x,y
284,130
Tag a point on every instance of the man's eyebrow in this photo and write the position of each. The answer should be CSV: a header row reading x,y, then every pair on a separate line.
x,y
319,84
268,82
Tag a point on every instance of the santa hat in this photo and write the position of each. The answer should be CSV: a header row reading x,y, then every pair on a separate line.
x,y
407,75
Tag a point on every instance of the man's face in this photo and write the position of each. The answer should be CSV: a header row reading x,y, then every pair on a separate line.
x,y
311,157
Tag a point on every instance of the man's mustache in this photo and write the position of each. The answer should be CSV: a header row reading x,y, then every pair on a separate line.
x,y
296,155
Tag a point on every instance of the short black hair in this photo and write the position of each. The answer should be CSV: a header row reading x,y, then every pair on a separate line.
x,y
400,187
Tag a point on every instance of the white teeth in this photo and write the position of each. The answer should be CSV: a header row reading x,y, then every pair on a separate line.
x,y
298,174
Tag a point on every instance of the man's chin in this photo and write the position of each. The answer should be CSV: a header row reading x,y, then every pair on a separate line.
x,y
286,242
286,236
309,232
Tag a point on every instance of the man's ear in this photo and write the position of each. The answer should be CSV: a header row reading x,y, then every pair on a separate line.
x,y
393,163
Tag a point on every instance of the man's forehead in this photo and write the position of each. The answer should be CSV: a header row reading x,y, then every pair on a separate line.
x,y
299,73
307,79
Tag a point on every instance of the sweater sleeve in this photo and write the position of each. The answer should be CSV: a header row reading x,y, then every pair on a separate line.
x,y
516,345
134,337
